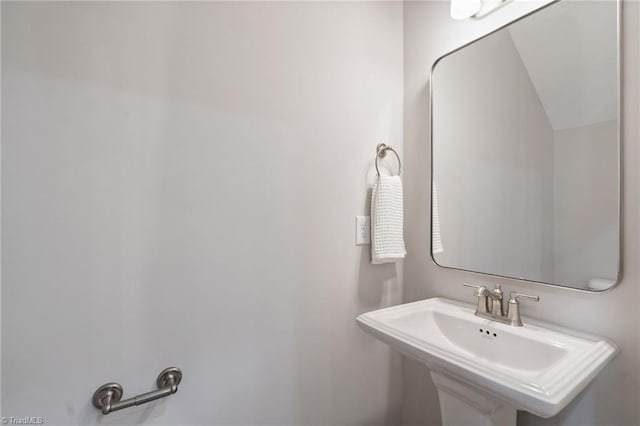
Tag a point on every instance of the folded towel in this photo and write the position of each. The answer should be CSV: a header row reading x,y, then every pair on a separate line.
x,y
387,241
436,239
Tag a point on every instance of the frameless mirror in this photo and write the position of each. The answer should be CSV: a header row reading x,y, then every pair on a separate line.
x,y
526,149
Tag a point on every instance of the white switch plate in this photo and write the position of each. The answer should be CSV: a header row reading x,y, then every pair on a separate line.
x,y
363,230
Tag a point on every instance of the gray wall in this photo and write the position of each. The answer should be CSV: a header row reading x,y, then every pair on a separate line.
x,y
613,398
179,187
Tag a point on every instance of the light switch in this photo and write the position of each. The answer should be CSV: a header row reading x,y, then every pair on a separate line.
x,y
363,230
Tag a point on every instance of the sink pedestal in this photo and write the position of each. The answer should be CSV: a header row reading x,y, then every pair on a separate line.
x,y
461,404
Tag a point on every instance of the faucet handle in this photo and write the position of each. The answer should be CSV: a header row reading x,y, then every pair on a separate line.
x,y
513,296
513,314
481,293
480,289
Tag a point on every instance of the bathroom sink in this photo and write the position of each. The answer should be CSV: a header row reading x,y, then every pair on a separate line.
x,y
538,367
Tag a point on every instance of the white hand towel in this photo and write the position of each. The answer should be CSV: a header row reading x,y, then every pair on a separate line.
x,y
436,239
387,241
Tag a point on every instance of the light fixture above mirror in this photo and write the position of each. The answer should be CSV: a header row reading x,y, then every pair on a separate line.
x,y
464,9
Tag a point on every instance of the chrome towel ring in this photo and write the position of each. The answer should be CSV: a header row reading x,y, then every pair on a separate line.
x,y
381,152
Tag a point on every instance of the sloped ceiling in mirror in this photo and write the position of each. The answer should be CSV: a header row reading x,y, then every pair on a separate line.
x,y
568,104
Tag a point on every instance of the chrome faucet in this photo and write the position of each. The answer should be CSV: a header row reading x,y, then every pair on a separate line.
x,y
490,304
495,300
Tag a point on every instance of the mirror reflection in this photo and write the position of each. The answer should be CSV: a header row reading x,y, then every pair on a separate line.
x,y
525,140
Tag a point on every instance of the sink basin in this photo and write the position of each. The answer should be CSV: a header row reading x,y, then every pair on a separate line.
x,y
538,367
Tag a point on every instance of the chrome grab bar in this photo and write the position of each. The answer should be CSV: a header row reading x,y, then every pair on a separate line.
x,y
107,397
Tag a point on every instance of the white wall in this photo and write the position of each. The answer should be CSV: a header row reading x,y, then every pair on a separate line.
x,y
613,398
585,228
179,184
492,149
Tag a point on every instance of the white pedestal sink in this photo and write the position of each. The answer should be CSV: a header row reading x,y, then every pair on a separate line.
x,y
485,370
